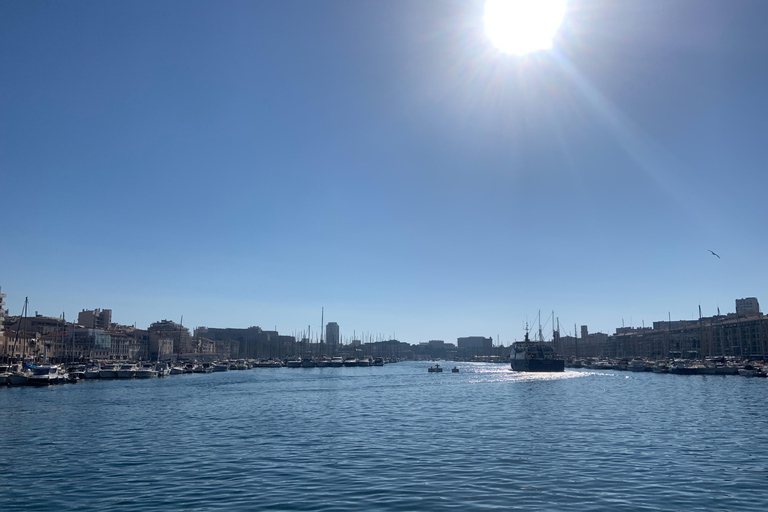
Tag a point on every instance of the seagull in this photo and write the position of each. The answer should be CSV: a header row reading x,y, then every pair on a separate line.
x,y
714,254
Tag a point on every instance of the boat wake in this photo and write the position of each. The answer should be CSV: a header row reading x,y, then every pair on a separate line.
x,y
505,374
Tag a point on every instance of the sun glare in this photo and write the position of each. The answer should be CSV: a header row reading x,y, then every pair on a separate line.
x,y
523,26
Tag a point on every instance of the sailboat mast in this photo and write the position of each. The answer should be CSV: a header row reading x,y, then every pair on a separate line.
x,y
541,336
575,342
16,340
178,354
63,352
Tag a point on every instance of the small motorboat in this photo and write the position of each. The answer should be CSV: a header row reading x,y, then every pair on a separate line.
x,y
92,372
222,366
5,373
43,375
126,371
19,376
108,371
455,369
75,373
163,369
435,369
146,371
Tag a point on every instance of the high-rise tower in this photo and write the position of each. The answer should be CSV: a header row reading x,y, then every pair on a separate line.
x,y
332,336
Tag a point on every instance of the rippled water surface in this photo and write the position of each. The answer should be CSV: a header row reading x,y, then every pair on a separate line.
x,y
391,438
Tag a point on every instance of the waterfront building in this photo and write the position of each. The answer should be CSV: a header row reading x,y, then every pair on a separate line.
x,y
38,336
167,329
675,325
633,330
251,343
205,346
656,343
95,318
395,349
226,349
735,335
54,340
119,343
34,326
747,307
436,349
129,343
589,345
475,346
161,348
88,343
740,334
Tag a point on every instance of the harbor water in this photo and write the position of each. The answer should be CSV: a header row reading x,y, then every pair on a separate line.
x,y
388,438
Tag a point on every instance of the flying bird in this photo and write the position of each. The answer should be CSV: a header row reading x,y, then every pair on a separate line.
x,y
714,254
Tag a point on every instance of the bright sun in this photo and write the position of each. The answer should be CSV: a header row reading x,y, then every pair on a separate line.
x,y
523,26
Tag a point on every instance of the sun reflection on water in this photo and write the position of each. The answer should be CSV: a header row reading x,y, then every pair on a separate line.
x,y
482,373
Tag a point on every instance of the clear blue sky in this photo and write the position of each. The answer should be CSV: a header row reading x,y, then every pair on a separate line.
x,y
249,162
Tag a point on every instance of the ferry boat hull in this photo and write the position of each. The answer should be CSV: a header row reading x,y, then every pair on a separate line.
x,y
538,365
535,356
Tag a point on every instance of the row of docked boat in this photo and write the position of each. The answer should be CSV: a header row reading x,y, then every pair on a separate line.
x,y
720,366
23,374
32,375
333,362
162,369
147,370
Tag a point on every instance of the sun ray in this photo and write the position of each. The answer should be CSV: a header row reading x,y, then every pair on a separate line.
x,y
643,150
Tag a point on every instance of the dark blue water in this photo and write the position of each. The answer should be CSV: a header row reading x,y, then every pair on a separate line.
x,y
391,438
